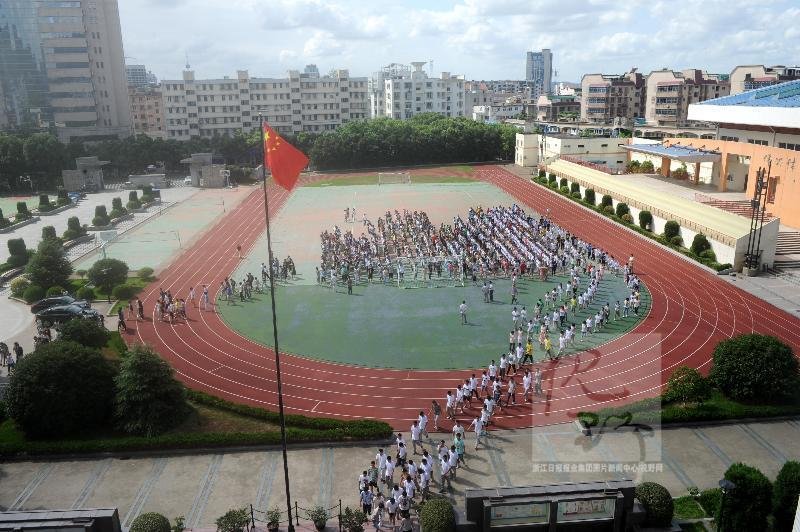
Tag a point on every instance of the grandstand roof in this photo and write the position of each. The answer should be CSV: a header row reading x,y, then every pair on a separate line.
x,y
679,153
780,95
775,106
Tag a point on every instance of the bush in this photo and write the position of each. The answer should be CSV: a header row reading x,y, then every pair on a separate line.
x,y
44,201
700,244
234,520
49,266
101,217
18,253
589,196
62,198
784,496
606,200
576,194
437,515
671,228
553,185
149,399
74,228
55,291
353,520
563,182
645,219
61,388
564,190
608,209
754,367
680,173
632,167
22,212
145,273
87,333
657,503
709,255
3,221
85,292
676,240
551,178
575,187
116,205
710,500
627,218
647,167
114,214
33,293
124,292
133,205
150,522
19,285
687,385
108,273
542,173
747,506
49,233
622,208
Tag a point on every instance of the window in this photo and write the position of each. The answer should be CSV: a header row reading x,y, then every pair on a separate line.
x,y
726,137
789,146
758,142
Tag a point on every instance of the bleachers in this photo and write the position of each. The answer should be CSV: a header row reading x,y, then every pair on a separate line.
x,y
740,207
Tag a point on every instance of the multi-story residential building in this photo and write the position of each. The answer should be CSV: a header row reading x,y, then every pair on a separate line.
x,y
147,111
497,113
552,108
748,77
300,102
539,70
139,76
606,99
61,66
401,92
670,93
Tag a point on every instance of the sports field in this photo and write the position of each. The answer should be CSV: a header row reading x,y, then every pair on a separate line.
x,y
387,326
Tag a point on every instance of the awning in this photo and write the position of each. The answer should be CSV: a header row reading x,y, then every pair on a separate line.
x,y
678,153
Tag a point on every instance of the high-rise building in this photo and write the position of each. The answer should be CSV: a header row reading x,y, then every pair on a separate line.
x,y
398,91
748,77
61,66
610,98
539,69
670,93
139,76
300,102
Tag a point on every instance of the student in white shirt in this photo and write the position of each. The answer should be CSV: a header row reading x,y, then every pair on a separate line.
x,y
477,424
415,436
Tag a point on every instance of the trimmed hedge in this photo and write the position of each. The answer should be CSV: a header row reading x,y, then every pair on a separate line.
x,y
608,209
33,293
55,291
606,200
85,292
150,522
710,500
563,182
748,506
124,292
700,244
437,515
589,196
145,272
784,495
18,253
575,187
645,219
19,285
22,212
671,229
74,228
657,503
564,189
101,217
622,209
87,333
627,218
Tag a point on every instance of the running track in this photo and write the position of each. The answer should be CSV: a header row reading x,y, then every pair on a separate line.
x,y
691,311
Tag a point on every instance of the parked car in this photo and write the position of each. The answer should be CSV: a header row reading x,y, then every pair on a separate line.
x,y
56,301
187,180
64,313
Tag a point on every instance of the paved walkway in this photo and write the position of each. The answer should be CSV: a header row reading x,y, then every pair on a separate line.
x,y
202,487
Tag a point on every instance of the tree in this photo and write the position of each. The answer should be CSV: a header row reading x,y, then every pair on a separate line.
x,y
18,253
74,228
12,159
700,244
44,157
49,266
60,389
150,522
784,496
747,506
234,520
687,385
671,230
754,367
107,273
87,333
657,503
149,399
437,515
645,220
49,233
101,217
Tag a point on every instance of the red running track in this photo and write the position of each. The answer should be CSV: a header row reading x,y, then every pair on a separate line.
x,y
691,311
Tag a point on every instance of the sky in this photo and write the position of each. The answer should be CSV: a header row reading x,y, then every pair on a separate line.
x,y
481,39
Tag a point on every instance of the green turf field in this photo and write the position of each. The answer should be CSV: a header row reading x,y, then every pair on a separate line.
x,y
386,326
372,179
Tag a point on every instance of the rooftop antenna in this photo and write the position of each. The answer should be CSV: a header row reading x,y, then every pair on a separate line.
x,y
430,63
188,66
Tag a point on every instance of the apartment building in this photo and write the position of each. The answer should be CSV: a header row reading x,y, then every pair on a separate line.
x,y
748,77
607,99
61,66
300,102
400,92
147,111
670,93
553,108
539,70
139,76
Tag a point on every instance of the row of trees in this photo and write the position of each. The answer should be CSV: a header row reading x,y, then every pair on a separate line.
x,y
427,138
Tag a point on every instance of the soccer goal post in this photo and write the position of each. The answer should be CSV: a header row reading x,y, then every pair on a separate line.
x,y
389,178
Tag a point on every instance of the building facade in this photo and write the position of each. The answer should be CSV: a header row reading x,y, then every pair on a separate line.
x,y
300,102
147,111
62,67
670,93
139,76
606,99
401,92
533,149
539,70
748,77
551,108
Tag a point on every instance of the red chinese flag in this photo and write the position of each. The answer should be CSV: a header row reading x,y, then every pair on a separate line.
x,y
284,160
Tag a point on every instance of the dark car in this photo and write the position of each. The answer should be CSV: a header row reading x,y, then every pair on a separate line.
x,y
64,313
57,301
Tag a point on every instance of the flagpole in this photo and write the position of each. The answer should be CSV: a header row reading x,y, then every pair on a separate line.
x,y
275,326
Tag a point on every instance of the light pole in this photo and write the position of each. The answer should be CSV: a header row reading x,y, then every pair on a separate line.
x,y
725,486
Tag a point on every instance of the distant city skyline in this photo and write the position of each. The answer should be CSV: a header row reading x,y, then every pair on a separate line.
x,y
481,39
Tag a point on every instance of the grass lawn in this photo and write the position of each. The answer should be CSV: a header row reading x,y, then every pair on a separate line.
x,y
686,507
372,179
137,282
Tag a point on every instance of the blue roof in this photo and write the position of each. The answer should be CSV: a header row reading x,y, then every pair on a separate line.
x,y
780,95
675,152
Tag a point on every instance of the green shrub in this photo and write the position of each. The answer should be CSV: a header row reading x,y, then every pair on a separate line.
x,y
74,228
22,212
353,520
18,253
564,190
608,209
553,185
676,240
3,412
150,522
687,385
114,214
754,367
49,266
606,200
116,205
542,173
150,400
87,333
671,228
101,217
55,291
709,255
145,273
622,209
49,233
62,198
700,244
133,205
747,506
710,500
784,496
589,196
563,182
647,167
19,285
107,273
61,388
632,167
552,178
234,520
124,292
657,503
575,187
645,219
85,292
3,221
33,293
437,515
576,194
627,218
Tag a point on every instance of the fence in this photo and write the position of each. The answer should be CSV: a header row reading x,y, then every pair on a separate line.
x,y
264,516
